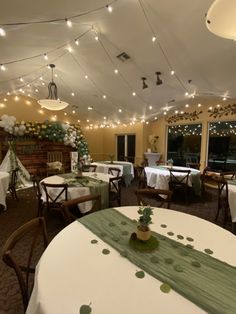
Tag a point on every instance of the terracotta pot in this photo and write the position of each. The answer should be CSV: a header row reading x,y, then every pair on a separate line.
x,y
143,235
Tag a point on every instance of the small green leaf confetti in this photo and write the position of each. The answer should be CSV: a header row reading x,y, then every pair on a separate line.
x,y
189,239
189,246
115,238
164,226
169,260
111,224
85,309
208,251
154,259
140,274
124,232
178,268
180,237
94,241
196,264
170,233
103,234
165,288
124,253
123,223
105,251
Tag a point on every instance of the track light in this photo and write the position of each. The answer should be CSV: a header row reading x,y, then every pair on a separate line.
x,y
144,82
159,81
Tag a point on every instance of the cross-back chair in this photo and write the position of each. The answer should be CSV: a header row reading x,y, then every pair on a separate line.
x,y
160,197
142,178
55,195
89,168
223,201
53,158
179,180
115,190
34,231
71,209
208,181
228,175
114,171
13,183
38,194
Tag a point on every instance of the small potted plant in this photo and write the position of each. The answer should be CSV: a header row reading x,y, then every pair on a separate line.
x,y
143,231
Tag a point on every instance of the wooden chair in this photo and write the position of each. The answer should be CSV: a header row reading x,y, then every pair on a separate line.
x,y
89,168
223,202
53,157
13,183
208,181
38,194
55,194
114,171
229,175
115,190
177,182
141,176
71,210
32,230
160,196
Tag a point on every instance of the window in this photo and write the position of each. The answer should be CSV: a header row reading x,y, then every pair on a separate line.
x,y
184,143
222,146
125,146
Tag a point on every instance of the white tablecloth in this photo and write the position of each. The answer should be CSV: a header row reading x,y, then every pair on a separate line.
x,y
158,178
232,201
4,183
75,191
103,168
73,272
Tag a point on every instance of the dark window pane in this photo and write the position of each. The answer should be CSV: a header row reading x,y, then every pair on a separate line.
x,y
131,148
184,144
120,147
222,146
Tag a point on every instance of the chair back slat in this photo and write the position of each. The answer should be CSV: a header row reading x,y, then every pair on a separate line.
x,y
114,171
53,200
160,196
115,190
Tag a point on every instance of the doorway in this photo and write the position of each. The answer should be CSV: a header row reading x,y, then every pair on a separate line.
x,y
125,147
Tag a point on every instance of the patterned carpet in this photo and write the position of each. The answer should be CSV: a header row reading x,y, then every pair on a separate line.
x,y
25,208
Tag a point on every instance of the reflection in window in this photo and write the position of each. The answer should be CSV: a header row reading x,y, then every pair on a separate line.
x,y
222,146
184,144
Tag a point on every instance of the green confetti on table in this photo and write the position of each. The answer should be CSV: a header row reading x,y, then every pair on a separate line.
x,y
179,268
105,251
94,241
124,232
140,274
165,288
124,253
111,224
115,238
170,233
169,260
154,259
189,246
196,264
123,223
85,309
189,239
164,226
208,251
180,237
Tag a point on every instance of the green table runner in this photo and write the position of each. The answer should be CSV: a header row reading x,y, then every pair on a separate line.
x,y
202,279
96,186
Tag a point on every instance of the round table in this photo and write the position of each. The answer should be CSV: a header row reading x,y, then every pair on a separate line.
x,y
73,272
4,183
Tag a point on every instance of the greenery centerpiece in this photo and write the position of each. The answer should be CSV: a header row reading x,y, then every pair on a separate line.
x,y
143,231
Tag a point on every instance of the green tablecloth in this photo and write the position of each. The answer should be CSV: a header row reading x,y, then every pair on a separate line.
x,y
95,186
127,176
202,279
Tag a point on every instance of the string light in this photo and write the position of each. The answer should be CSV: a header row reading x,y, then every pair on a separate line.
x,y
120,110
172,72
21,79
3,68
45,56
104,96
154,39
69,49
109,8
72,94
2,32
224,98
186,94
68,22
86,76
116,71
77,42
96,37
134,94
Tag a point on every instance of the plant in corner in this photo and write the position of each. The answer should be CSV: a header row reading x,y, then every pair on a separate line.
x,y
143,231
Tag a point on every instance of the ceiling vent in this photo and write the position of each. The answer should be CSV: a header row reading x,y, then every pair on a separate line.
x,y
123,56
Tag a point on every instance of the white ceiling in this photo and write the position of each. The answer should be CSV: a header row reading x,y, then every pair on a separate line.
x,y
193,52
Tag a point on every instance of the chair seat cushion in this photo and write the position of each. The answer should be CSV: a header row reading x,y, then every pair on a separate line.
x,y
55,165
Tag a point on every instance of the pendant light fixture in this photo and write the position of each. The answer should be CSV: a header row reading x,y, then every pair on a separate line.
x,y
52,102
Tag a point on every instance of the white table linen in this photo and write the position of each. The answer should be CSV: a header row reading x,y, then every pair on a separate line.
x,y
4,184
158,178
232,201
103,167
73,272
75,191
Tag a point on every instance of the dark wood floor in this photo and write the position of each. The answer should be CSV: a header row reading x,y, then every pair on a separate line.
x,y
25,208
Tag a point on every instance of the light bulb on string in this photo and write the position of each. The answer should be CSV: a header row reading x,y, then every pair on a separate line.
x,y
21,79
2,32
68,22
96,37
45,56
172,72
154,39
3,68
77,42
109,8
116,71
